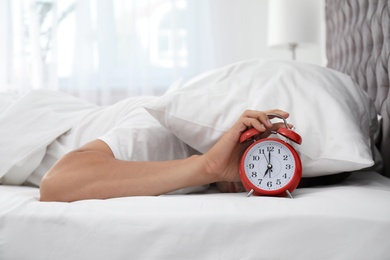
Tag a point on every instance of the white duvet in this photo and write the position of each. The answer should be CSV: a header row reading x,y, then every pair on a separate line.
x,y
30,124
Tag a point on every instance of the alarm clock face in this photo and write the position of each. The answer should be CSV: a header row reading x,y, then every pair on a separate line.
x,y
269,165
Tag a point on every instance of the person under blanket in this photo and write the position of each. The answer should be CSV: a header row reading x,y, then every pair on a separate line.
x,y
93,172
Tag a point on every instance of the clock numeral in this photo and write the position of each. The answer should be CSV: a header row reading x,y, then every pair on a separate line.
x,y
261,151
288,166
278,182
254,174
256,158
285,175
270,149
285,157
269,184
260,180
251,166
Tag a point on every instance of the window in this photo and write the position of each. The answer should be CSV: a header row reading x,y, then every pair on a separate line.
x,y
128,47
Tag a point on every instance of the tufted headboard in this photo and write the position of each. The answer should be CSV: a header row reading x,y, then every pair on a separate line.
x,y
358,44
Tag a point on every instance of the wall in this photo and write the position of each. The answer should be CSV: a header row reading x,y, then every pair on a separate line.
x,y
241,26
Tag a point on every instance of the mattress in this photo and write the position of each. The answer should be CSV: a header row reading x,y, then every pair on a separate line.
x,y
350,220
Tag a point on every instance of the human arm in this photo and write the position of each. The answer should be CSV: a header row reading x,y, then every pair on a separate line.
x,y
92,172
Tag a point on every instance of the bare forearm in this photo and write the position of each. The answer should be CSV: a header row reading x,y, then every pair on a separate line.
x,y
96,175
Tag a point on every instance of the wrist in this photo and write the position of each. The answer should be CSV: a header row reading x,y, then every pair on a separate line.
x,y
205,168
210,168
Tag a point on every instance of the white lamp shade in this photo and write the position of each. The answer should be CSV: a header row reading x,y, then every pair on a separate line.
x,y
293,22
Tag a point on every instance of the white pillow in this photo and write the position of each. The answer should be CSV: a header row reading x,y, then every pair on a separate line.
x,y
335,117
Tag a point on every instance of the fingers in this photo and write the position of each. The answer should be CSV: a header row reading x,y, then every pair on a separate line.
x,y
277,111
276,126
261,120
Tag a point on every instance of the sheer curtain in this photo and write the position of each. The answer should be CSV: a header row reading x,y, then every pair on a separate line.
x,y
103,50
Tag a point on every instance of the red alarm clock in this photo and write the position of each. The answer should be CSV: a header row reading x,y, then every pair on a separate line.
x,y
271,166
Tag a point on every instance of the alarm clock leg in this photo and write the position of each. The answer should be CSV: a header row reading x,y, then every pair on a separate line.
x,y
289,194
250,193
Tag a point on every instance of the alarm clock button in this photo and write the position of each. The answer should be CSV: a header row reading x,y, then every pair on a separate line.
x,y
290,134
249,134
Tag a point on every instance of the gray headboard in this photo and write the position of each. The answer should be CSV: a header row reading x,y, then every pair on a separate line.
x,y
358,44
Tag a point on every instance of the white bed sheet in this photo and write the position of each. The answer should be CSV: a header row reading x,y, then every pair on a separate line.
x,y
348,221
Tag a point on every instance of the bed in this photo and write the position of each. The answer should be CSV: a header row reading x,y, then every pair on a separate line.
x,y
330,217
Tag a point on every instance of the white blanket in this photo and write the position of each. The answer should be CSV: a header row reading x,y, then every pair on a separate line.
x,y
29,125
39,128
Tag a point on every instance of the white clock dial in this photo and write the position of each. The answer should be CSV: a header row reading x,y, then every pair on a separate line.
x,y
269,165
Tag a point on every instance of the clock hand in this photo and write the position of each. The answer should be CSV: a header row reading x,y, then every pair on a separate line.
x,y
269,157
266,172
266,158
269,170
269,166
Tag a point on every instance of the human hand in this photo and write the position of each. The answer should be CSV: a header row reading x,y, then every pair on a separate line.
x,y
222,160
